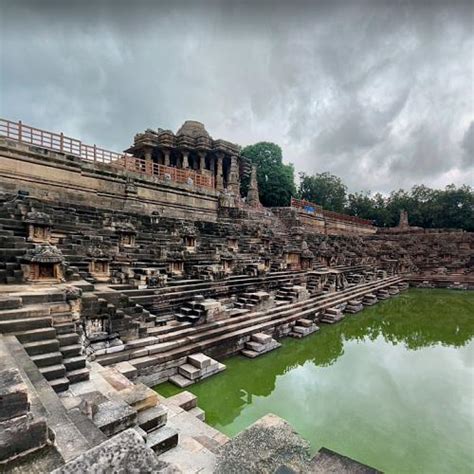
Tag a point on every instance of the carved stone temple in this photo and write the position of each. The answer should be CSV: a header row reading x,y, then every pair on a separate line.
x,y
122,270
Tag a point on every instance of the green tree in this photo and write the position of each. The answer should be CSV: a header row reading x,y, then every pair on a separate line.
x,y
324,189
276,180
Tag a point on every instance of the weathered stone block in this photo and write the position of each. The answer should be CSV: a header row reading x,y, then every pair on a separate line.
x,y
162,439
199,360
13,395
126,452
261,338
152,418
139,396
23,433
189,371
114,416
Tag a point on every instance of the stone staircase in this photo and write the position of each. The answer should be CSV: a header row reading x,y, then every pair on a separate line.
x,y
197,367
259,344
289,294
45,326
176,340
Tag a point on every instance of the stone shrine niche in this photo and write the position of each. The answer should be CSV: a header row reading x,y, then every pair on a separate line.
x,y
99,263
176,267
127,240
96,326
293,261
190,243
99,268
126,233
39,227
232,244
44,263
307,257
227,265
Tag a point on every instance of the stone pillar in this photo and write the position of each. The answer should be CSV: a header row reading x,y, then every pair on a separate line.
x,y
212,164
202,160
219,176
233,182
148,161
166,154
253,198
185,159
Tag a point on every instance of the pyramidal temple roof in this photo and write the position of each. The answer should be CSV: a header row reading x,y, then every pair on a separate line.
x,y
193,129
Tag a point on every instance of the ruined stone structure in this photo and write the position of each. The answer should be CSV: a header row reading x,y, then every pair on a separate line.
x,y
121,271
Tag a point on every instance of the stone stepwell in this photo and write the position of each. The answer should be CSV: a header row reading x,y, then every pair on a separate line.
x,y
172,342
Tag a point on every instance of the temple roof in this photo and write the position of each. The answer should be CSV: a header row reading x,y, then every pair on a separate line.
x,y
193,129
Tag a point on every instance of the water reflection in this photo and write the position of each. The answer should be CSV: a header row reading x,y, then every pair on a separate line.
x,y
416,320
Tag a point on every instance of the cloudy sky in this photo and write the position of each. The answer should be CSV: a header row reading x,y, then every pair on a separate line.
x,y
380,94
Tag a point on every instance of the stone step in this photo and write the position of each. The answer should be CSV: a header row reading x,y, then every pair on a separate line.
x,y
70,351
10,302
74,363
162,439
78,375
41,347
152,418
50,358
53,371
18,325
64,328
68,339
35,311
36,335
60,385
199,413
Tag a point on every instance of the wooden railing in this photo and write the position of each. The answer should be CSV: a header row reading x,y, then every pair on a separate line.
x,y
63,144
307,205
178,175
346,218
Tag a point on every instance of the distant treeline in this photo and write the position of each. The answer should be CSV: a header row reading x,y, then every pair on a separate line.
x,y
452,207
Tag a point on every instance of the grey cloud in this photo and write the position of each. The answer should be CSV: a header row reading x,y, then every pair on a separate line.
x,y
376,92
468,145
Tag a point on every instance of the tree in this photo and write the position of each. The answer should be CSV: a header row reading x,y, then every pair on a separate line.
x,y
324,189
276,180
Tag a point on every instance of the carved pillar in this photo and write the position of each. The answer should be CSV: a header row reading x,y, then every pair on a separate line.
x,y
148,161
233,182
219,176
212,164
202,160
185,159
166,154
253,198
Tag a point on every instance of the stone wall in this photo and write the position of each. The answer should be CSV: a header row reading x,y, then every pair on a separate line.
x,y
61,178
320,223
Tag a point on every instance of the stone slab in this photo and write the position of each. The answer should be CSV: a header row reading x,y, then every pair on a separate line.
x,y
199,360
162,439
23,433
152,418
139,396
184,400
13,394
261,338
189,371
125,452
126,369
114,416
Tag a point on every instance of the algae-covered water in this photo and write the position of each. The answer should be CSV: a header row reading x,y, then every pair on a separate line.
x,y
392,386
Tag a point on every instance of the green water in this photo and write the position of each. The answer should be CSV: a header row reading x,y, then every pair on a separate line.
x,y
391,387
